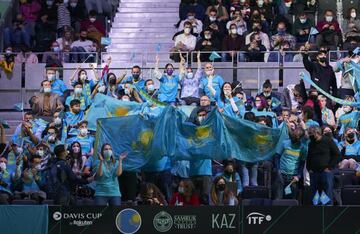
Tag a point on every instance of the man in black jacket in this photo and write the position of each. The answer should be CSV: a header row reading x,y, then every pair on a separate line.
x,y
321,72
323,156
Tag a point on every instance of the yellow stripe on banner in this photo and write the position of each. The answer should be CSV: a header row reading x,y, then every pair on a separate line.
x,y
292,152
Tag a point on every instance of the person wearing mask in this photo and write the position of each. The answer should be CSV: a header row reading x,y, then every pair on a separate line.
x,y
197,25
72,118
184,42
86,141
343,65
149,87
54,55
208,42
82,78
322,157
228,103
108,169
231,176
46,103
327,115
222,13
190,82
290,161
307,118
281,36
61,178
349,118
282,54
52,137
267,92
214,23
350,150
264,8
150,195
254,51
26,56
78,94
7,178
329,31
64,43
302,27
135,78
200,170
240,23
169,83
205,103
82,47
211,83
321,72
220,194
186,195
94,26
57,86
232,42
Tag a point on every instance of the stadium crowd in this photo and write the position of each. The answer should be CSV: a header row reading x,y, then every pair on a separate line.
x,y
51,154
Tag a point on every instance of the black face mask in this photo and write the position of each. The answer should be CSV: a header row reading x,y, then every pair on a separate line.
x,y
312,138
322,60
351,135
83,38
136,76
328,134
221,187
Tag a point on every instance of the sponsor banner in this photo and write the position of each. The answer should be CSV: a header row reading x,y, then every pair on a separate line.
x,y
80,219
203,219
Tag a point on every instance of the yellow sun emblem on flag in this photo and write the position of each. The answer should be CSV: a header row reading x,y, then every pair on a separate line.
x,y
146,137
203,132
121,111
262,139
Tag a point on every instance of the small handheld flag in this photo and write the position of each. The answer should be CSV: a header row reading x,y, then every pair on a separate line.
x,y
313,31
105,41
214,55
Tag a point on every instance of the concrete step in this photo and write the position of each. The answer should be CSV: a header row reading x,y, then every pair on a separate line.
x,y
140,40
148,15
142,24
151,46
136,35
149,10
171,20
149,4
143,30
142,1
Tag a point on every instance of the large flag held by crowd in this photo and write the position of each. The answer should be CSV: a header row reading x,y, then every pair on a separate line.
x,y
167,133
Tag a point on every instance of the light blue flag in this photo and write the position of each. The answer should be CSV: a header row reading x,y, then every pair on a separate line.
x,y
158,47
105,41
132,134
356,50
19,106
316,198
287,189
104,106
324,199
214,55
313,31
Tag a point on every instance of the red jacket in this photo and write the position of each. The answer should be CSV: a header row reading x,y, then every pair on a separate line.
x,y
194,200
334,23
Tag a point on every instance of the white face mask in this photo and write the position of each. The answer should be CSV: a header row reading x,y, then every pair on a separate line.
x,y
83,131
73,4
329,18
38,167
78,90
92,20
191,17
260,3
187,30
125,99
233,31
353,14
47,90
201,118
227,93
102,89
2,166
83,77
347,109
189,75
108,154
51,77
207,37
57,121
40,153
212,18
303,21
288,4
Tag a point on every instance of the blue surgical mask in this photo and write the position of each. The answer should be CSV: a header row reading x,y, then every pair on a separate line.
x,y
108,154
151,87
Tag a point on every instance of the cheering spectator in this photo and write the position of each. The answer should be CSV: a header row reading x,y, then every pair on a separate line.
x,y
197,25
57,86
321,72
254,51
76,159
86,141
329,31
302,27
232,42
79,95
220,194
186,195
72,118
350,150
327,115
46,103
281,36
211,83
108,169
6,180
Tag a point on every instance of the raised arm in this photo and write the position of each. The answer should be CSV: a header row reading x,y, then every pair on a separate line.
x,y
73,75
157,74
121,158
100,169
198,57
182,67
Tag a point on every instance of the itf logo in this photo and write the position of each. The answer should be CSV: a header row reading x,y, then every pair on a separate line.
x,y
257,218
128,221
